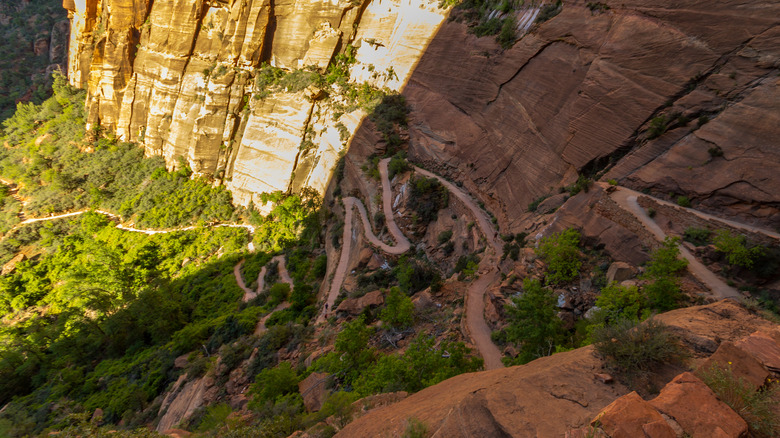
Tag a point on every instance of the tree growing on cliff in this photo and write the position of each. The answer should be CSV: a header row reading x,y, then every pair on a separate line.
x,y
533,322
399,310
561,252
664,270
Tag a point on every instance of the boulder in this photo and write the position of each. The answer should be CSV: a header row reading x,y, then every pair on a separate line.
x,y
354,306
697,409
423,300
631,417
10,265
763,346
313,391
743,365
365,256
620,271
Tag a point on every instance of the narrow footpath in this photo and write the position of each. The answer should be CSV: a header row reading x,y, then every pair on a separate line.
x,y
627,199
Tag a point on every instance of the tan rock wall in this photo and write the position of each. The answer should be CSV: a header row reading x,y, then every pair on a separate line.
x,y
178,76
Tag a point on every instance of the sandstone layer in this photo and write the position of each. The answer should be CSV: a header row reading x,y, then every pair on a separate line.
x,y
578,95
179,77
550,395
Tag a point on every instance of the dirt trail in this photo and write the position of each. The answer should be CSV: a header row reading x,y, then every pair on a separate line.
x,y
249,293
705,216
476,325
627,199
402,243
475,296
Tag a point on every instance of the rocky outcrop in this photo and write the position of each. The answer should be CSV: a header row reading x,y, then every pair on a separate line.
x,y
180,77
577,94
555,394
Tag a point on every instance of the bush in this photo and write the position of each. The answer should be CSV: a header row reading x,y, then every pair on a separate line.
x,y
622,302
427,197
535,204
683,201
635,349
397,165
757,408
736,249
273,383
562,254
697,236
444,237
415,429
664,269
549,11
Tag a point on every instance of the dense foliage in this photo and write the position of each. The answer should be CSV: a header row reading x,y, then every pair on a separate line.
x,y
47,160
562,254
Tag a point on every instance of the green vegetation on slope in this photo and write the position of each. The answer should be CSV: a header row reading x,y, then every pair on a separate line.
x,y
59,170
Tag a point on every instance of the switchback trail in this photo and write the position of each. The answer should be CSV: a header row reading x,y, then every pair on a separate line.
x,y
250,294
474,302
402,243
627,199
477,328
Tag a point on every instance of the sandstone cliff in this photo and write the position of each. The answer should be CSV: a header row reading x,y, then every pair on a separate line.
x,y
644,89
180,77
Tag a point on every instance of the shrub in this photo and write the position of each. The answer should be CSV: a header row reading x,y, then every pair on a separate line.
x,y
397,164
635,349
506,37
755,407
273,383
415,275
658,126
697,236
663,270
562,254
535,204
683,201
415,429
622,302
427,197
444,237
736,249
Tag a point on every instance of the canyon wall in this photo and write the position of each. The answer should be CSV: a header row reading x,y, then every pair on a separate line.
x,y
676,98
180,77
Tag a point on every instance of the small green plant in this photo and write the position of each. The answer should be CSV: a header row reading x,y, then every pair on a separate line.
x,y
755,407
596,7
683,201
399,310
549,11
612,182
658,126
651,212
533,323
715,152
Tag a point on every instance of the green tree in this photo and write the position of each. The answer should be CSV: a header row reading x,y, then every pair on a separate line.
x,y
664,269
562,254
273,383
399,310
736,249
533,321
352,344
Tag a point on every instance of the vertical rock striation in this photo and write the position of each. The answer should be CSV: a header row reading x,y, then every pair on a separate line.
x,y
179,77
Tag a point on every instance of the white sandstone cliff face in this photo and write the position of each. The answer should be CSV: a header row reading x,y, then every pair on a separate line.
x,y
178,76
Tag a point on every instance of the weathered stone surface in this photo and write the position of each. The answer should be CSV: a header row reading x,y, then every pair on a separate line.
x,y
763,346
620,271
697,409
628,416
354,306
178,77
182,401
743,365
314,390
